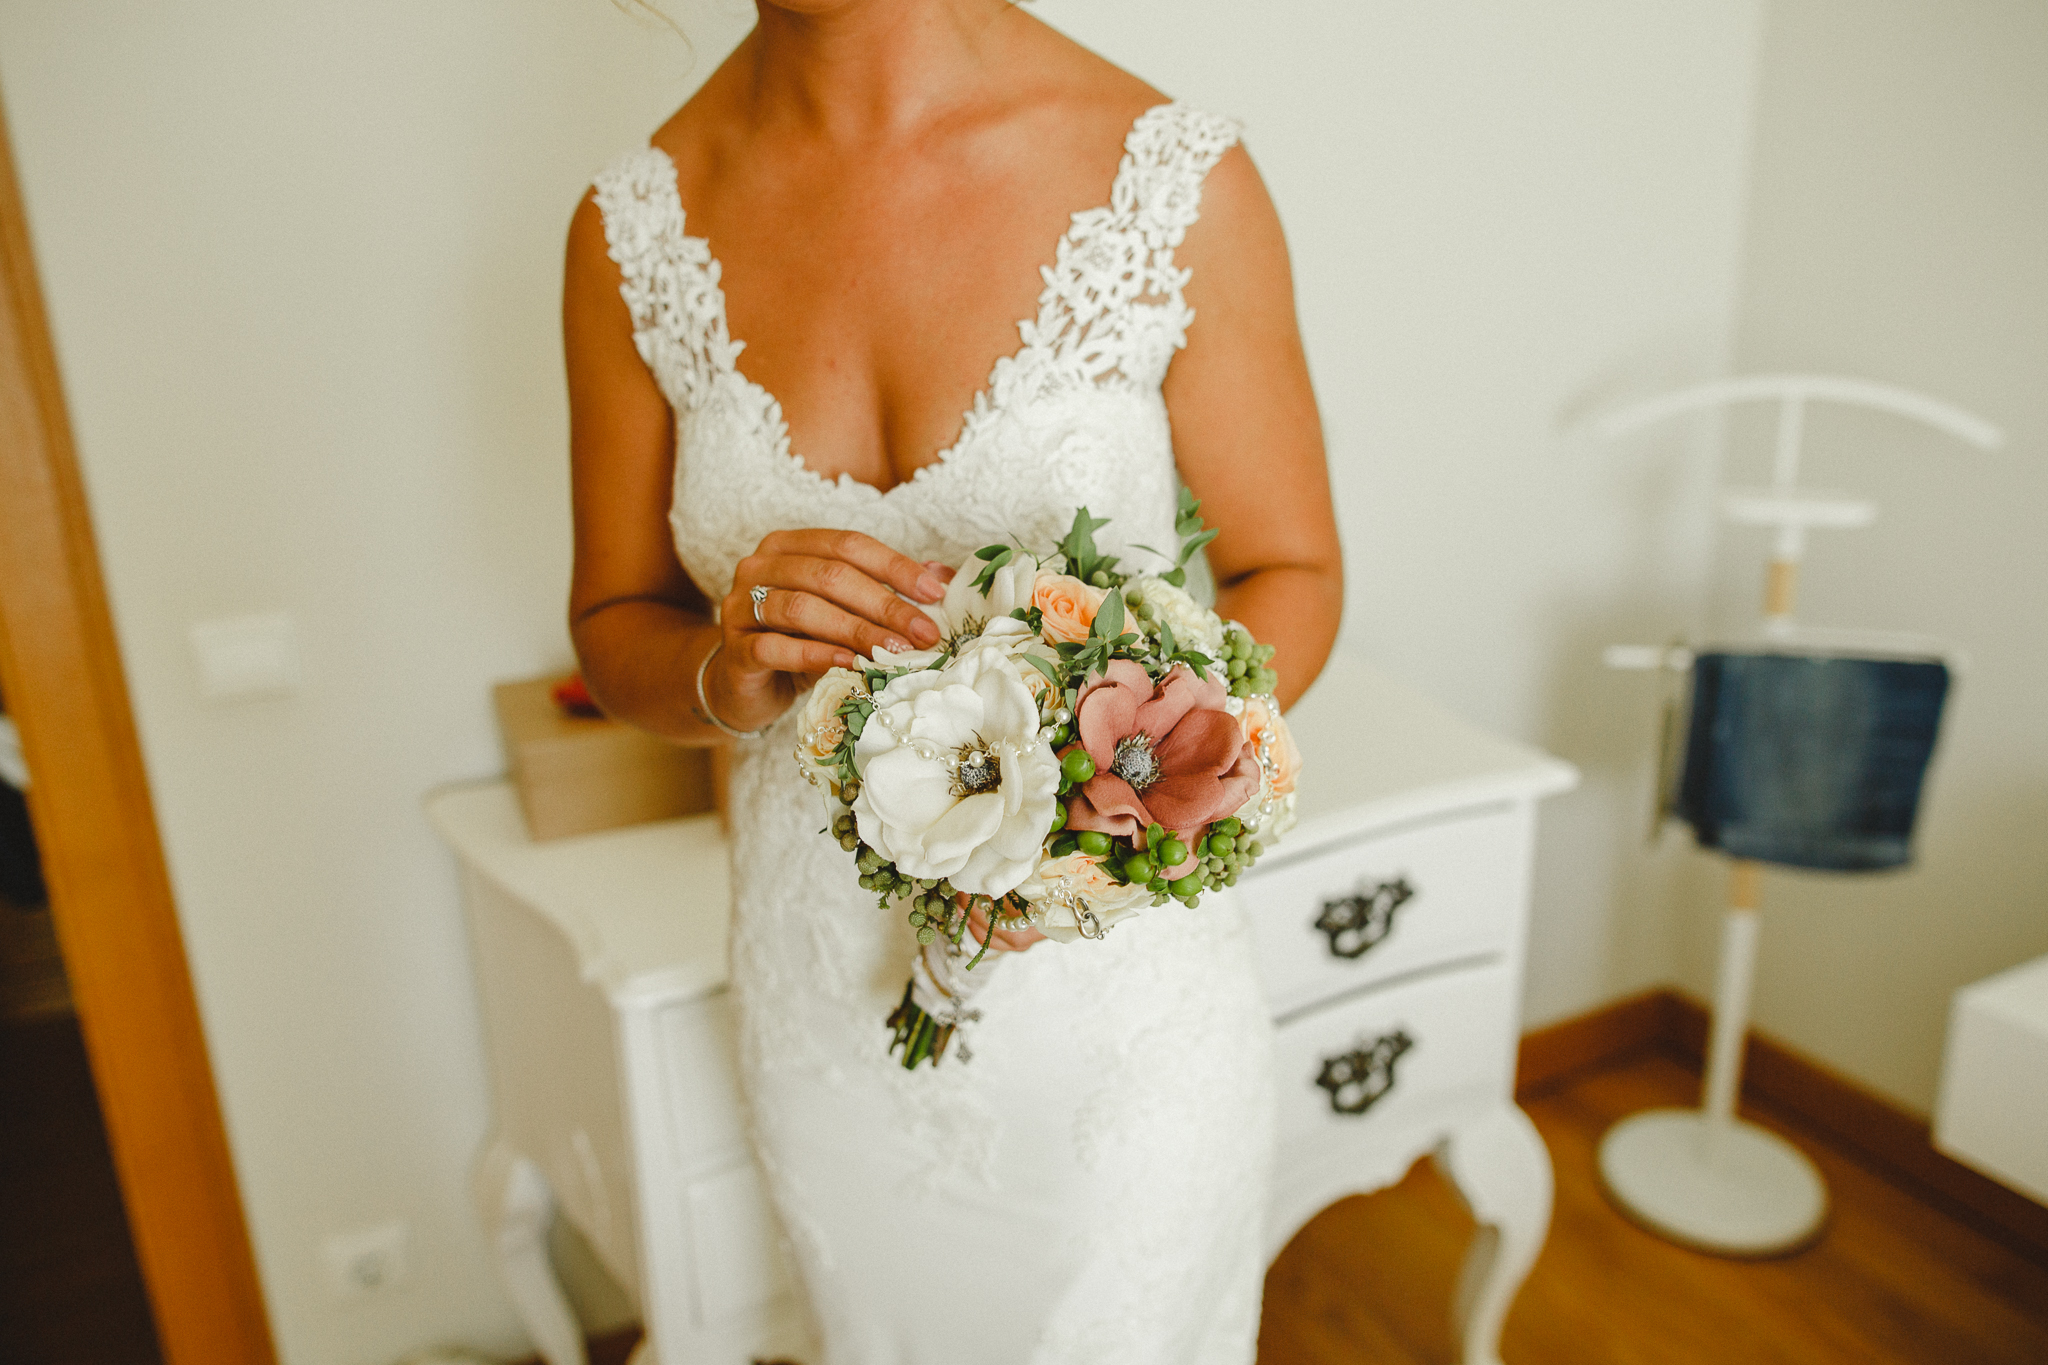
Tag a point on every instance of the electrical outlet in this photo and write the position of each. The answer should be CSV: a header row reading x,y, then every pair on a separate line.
x,y
369,1261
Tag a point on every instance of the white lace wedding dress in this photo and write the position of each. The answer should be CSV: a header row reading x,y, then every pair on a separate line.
x,y
1090,1186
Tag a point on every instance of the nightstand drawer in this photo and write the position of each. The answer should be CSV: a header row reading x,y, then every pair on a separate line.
x,y
1414,1053
1332,921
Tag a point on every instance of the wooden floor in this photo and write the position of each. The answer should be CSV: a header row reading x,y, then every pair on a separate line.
x,y
1893,1280
70,1290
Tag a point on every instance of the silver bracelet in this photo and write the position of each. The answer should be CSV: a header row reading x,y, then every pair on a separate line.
x,y
704,702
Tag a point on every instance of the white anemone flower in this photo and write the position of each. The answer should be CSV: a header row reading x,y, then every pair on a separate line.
x,y
968,613
955,781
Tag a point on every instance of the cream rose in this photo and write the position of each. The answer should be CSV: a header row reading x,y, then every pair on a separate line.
x,y
1060,889
821,729
1068,606
1194,625
955,781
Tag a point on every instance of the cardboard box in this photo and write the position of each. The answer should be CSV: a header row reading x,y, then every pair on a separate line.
x,y
578,775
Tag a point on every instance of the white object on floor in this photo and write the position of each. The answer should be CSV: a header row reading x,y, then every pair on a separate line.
x,y
1389,928
1992,1112
1731,1188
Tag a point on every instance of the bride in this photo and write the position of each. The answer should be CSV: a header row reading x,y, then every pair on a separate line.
x,y
903,279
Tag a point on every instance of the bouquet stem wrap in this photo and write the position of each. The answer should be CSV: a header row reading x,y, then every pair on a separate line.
x,y
939,999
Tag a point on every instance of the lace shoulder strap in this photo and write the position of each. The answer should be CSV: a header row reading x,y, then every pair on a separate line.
x,y
669,279
1113,310
1168,154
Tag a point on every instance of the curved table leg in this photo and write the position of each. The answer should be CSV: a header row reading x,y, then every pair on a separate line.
x,y
517,1204
1500,1165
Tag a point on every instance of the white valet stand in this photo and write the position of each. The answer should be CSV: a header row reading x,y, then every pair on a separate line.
x,y
1703,1177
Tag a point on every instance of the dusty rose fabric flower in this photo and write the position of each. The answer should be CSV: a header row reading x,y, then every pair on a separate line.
x,y
1168,754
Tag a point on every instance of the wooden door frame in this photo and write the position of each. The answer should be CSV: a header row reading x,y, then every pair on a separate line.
x,y
110,895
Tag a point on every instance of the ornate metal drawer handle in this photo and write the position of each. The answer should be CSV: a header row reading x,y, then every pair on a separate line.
x,y
1357,923
1362,1077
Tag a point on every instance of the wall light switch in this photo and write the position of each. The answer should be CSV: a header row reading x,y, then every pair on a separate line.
x,y
246,656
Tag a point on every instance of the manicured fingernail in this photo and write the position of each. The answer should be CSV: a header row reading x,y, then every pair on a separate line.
x,y
930,588
848,661
925,630
895,646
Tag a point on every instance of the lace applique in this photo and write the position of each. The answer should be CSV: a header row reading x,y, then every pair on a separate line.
x,y
1080,394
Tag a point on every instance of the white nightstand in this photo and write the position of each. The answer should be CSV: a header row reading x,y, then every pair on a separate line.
x,y
1390,928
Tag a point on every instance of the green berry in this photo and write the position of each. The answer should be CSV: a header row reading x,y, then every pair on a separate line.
x,y
917,919
927,935
1140,868
1230,877
1077,766
1186,886
1094,843
1059,818
1231,826
1236,669
1221,844
1100,578
1193,902
1172,853
1061,736
1257,849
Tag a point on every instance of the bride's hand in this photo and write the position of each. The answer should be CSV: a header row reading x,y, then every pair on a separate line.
x,y
831,598
1007,940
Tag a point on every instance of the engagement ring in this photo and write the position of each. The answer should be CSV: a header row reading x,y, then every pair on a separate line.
x,y
759,592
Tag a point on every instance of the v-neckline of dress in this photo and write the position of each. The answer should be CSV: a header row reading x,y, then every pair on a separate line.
x,y
984,399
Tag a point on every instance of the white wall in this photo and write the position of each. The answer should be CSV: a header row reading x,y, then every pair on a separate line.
x,y
1899,229
302,263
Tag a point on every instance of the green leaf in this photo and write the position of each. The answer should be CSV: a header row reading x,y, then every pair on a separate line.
x,y
1109,617
998,557
1188,518
1178,577
1167,645
1044,665
1079,546
1194,543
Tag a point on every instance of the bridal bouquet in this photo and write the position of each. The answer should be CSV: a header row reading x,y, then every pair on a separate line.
x,y
1082,743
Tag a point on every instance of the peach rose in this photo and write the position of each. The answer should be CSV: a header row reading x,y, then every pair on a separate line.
x,y
1068,605
1262,718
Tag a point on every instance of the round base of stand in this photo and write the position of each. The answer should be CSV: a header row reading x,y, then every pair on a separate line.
x,y
1755,1195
